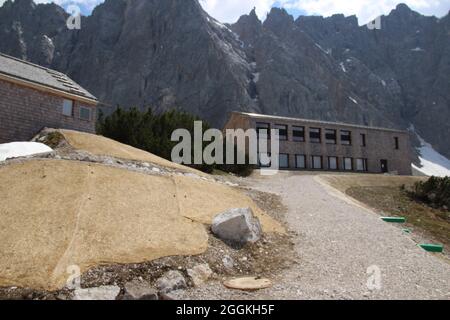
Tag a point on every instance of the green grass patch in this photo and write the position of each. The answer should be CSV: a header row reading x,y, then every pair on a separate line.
x,y
398,202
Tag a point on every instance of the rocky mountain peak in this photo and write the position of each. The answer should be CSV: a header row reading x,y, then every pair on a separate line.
x,y
23,3
337,22
403,8
279,21
253,14
20,7
248,27
404,13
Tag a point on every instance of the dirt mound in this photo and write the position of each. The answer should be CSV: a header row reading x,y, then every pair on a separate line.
x,y
101,146
60,213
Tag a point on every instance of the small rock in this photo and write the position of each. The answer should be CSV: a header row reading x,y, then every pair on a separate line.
x,y
248,283
156,170
231,184
109,162
228,262
99,293
139,290
61,296
173,295
237,226
200,274
172,280
146,165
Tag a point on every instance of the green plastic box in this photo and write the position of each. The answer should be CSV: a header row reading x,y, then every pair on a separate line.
x,y
394,219
432,247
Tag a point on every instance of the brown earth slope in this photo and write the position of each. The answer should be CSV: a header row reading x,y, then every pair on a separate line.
x,y
102,146
58,213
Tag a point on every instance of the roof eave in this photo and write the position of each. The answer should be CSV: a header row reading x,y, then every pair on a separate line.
x,y
263,116
48,89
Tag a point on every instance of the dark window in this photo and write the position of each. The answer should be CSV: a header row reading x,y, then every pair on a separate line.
x,y
263,130
348,164
363,140
315,135
361,164
330,136
346,137
397,143
316,162
298,134
333,163
300,161
283,131
67,109
284,161
85,113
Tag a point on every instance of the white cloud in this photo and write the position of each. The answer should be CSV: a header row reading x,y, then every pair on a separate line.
x,y
365,10
231,10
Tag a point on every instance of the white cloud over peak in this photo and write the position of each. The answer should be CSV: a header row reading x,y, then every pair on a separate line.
x,y
231,10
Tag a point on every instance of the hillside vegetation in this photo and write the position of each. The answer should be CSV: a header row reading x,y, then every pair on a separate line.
x,y
435,192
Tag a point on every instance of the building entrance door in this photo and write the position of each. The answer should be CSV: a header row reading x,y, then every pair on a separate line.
x,y
384,166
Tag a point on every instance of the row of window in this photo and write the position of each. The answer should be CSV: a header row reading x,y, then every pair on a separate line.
x,y
68,110
315,134
318,163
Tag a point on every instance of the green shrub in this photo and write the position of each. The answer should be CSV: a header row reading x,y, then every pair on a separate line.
x,y
53,139
152,132
435,191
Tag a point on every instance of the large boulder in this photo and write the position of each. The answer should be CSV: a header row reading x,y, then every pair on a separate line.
x,y
237,226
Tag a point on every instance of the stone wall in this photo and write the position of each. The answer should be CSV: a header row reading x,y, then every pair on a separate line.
x,y
25,111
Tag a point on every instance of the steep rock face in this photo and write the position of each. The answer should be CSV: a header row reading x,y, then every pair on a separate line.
x,y
408,56
160,54
171,54
299,77
144,53
27,30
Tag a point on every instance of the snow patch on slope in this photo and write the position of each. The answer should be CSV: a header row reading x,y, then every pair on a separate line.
x,y
22,149
432,162
353,100
328,51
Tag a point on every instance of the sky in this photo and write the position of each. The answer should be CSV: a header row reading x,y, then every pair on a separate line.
x,y
231,10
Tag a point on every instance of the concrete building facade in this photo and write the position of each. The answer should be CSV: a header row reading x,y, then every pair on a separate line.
x,y
33,97
318,145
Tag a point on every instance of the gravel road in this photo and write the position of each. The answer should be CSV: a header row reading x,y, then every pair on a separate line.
x,y
337,242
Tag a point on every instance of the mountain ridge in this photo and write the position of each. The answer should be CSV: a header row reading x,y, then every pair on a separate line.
x,y
172,54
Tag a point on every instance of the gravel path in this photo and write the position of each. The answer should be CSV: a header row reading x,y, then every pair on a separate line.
x,y
337,242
